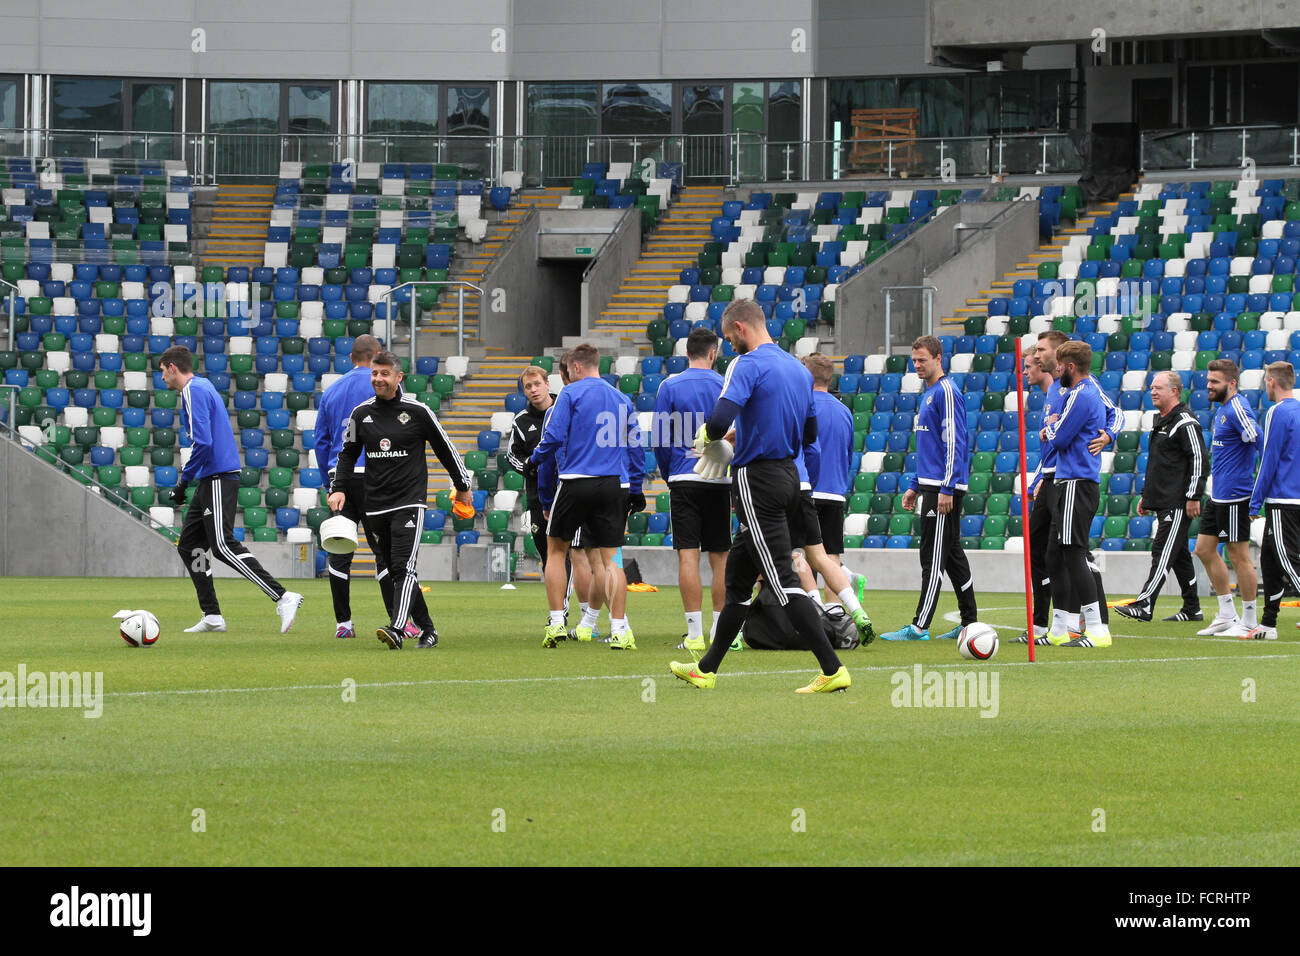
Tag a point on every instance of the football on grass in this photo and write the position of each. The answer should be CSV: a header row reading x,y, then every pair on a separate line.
x,y
138,628
978,642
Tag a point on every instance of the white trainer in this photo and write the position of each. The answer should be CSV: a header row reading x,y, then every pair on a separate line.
x,y
209,622
1260,633
1237,630
1219,625
287,608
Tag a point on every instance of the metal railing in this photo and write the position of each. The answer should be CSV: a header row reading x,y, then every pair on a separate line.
x,y
414,301
14,292
727,158
928,293
1221,147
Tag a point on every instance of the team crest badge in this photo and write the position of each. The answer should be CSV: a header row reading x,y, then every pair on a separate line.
x,y
385,444
403,417
929,399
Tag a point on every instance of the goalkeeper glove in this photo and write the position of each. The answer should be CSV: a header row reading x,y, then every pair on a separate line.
x,y
701,439
715,459
177,494
635,502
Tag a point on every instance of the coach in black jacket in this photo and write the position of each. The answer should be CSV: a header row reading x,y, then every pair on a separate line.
x,y
1177,465
393,428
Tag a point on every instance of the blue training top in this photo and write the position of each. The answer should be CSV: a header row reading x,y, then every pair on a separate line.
x,y
1232,454
773,391
833,479
682,405
205,419
332,413
1278,481
1082,416
941,459
588,432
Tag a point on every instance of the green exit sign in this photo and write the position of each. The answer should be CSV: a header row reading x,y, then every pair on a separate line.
x,y
582,250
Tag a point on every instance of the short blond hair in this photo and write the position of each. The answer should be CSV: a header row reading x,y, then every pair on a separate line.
x,y
822,369
534,370
1282,373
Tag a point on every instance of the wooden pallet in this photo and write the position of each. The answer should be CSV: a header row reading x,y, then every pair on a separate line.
x,y
871,131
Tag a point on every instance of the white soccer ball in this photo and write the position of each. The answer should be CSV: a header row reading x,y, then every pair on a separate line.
x,y
139,628
978,642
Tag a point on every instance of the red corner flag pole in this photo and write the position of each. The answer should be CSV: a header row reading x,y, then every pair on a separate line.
x,y
1024,498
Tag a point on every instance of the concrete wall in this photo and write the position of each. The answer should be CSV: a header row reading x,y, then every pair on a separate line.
x,y
926,258
613,262
984,254
538,305
51,525
1026,22
487,40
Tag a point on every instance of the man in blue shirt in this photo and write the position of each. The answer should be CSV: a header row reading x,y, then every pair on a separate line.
x,y
1225,517
942,468
1040,369
213,468
700,507
768,396
1078,470
587,437
1277,486
821,532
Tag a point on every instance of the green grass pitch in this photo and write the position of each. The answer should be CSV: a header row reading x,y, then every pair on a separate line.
x,y
240,748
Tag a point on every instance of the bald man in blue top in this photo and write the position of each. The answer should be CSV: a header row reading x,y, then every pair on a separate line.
x,y
767,394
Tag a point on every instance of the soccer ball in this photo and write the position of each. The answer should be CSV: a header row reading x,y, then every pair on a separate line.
x,y
138,628
978,642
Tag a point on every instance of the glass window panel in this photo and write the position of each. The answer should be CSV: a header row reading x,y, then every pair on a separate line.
x,y
703,109
80,103
1053,95
243,107
636,109
563,109
560,116
402,108
469,114
252,109
469,111
784,125
1198,96
747,117
706,152
858,94
153,107
941,100
8,103
311,109
983,105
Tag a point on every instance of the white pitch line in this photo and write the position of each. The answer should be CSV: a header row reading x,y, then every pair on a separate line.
x,y
637,677
954,617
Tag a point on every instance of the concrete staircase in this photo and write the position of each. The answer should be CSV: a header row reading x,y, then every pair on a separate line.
x,y
438,327
237,228
1047,251
672,246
